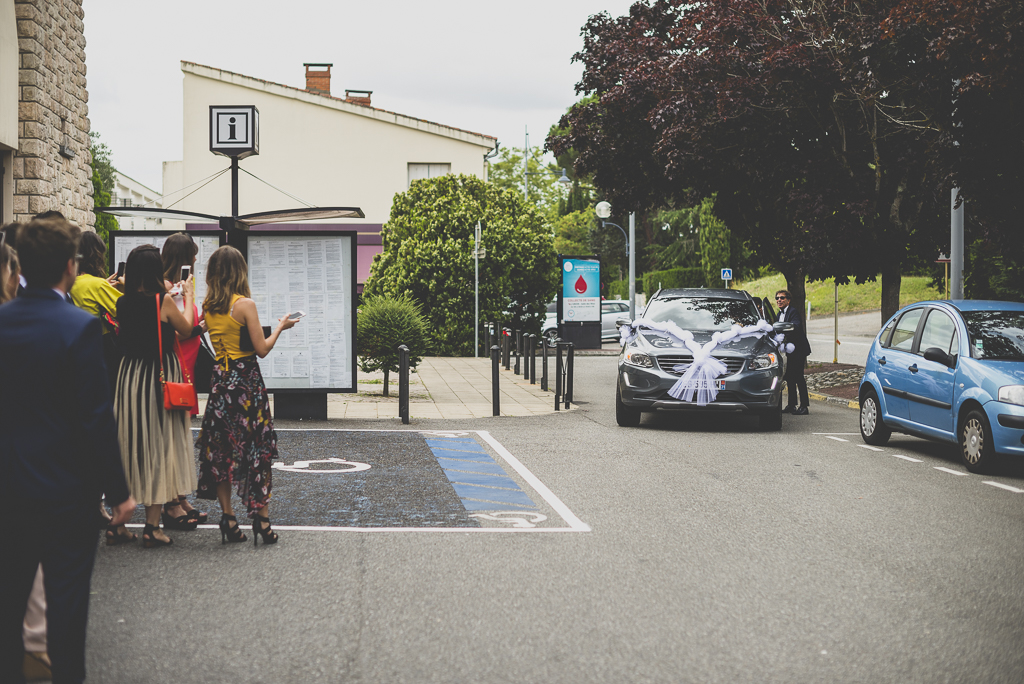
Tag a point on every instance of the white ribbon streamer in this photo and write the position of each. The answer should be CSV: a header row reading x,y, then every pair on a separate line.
x,y
698,381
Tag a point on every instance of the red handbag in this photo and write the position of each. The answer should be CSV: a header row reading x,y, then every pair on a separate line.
x,y
177,395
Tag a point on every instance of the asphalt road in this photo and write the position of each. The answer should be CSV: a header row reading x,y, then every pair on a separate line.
x,y
856,333
716,553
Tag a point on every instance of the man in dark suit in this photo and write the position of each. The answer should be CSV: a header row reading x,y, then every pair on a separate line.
x,y
795,359
58,451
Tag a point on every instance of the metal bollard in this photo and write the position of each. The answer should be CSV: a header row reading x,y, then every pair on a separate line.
x,y
506,347
487,336
495,391
544,362
568,374
403,383
531,358
519,340
558,375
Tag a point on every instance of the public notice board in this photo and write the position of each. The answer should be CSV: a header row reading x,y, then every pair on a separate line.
x,y
581,290
122,242
312,272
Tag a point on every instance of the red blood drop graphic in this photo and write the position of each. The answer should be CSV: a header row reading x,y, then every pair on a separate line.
x,y
581,285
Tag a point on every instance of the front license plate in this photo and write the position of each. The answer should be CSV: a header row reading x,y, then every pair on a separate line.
x,y
717,384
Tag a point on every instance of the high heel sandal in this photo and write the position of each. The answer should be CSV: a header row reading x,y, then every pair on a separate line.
x,y
229,533
269,536
115,538
153,541
200,517
182,522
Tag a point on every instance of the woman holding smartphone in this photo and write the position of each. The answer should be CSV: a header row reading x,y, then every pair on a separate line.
x,y
179,262
237,442
156,444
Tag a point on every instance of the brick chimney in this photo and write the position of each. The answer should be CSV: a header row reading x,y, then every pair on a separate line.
x,y
359,97
318,78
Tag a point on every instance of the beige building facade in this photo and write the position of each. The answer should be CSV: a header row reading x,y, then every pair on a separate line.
x,y
44,124
324,150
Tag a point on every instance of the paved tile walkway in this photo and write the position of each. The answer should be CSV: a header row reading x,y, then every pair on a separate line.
x,y
441,387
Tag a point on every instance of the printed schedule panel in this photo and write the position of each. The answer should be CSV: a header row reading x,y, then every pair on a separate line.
x,y
122,242
312,272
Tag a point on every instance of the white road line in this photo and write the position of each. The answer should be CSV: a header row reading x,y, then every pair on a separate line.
x,y
835,433
951,472
907,458
1002,486
468,530
575,523
838,439
868,446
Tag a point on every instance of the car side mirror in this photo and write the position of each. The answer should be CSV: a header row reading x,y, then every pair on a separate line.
x,y
939,356
784,326
619,322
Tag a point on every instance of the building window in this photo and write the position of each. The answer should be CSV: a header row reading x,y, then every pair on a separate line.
x,y
417,171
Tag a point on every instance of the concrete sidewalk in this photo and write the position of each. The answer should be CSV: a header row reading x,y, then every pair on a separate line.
x,y
440,387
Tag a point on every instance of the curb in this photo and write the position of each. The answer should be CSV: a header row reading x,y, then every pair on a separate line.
x,y
837,401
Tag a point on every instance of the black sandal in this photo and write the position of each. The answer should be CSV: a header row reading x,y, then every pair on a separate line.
x,y
182,522
230,533
153,541
269,536
200,517
115,538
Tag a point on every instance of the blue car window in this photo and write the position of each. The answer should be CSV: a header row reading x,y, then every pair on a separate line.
x,y
903,335
996,334
884,339
939,331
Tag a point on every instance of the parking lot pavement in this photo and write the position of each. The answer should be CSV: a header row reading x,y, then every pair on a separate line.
x,y
715,553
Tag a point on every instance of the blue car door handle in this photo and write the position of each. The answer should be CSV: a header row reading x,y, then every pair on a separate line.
x,y
913,369
881,361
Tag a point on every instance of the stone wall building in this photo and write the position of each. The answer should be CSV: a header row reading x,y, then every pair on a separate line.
x,y
44,124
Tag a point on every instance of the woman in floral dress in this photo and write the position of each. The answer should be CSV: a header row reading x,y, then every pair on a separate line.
x,y
237,442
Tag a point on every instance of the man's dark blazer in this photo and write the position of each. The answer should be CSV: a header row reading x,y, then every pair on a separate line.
x,y
58,439
799,336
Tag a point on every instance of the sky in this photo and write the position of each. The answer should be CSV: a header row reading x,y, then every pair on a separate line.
x,y
490,67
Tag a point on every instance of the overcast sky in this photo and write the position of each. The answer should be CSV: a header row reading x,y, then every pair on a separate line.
x,y
489,67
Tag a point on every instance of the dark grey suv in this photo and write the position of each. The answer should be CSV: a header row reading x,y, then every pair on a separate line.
x,y
749,379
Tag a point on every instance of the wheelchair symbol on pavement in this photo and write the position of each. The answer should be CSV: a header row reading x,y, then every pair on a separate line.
x,y
303,466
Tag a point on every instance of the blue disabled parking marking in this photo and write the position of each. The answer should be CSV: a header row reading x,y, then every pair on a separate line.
x,y
480,482
409,481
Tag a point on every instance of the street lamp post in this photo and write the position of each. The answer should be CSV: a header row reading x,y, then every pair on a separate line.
x,y
603,211
479,251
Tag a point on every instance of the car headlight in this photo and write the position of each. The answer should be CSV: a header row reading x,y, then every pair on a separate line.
x,y
764,362
637,358
1012,394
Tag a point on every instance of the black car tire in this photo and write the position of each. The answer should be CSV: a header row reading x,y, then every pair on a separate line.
x,y
770,421
626,416
976,449
551,334
872,429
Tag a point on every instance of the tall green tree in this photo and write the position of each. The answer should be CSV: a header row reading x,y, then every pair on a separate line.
x,y
102,184
428,256
543,189
714,243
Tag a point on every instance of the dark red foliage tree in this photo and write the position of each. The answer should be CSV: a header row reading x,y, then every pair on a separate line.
x,y
794,112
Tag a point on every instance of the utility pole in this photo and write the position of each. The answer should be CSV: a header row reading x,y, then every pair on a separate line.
x,y
632,265
956,246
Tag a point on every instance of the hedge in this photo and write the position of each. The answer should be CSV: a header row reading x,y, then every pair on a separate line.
x,y
674,277
619,289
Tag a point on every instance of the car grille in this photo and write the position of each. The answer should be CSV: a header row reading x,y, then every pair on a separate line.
x,y
733,365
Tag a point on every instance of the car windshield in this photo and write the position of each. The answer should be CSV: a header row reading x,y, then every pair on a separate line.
x,y
996,334
702,313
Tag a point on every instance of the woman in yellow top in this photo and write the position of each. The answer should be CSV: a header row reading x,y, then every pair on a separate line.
x,y
94,292
237,442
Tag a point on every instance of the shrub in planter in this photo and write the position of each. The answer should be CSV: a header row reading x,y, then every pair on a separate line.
x,y
383,324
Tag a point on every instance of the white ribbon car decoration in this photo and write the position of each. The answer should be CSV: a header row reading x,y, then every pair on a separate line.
x,y
698,380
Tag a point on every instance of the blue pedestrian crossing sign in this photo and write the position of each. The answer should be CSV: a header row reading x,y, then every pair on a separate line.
x,y
726,274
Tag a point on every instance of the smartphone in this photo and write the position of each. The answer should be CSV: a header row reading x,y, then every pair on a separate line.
x,y
297,315
184,272
120,270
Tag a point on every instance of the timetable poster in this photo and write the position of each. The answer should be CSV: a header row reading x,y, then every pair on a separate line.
x,y
313,274
124,242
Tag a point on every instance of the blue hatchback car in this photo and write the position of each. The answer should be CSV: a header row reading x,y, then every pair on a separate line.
x,y
951,371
